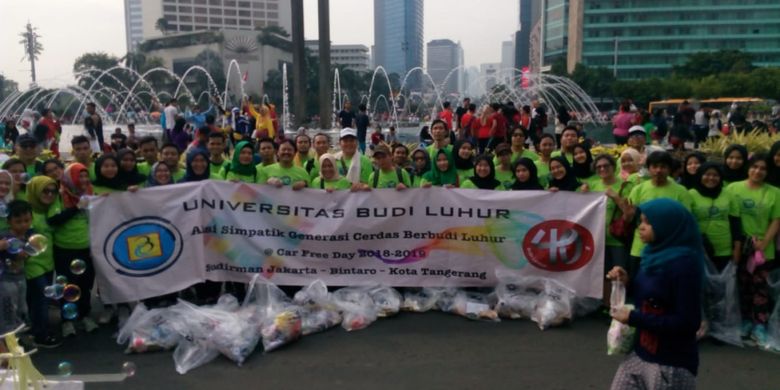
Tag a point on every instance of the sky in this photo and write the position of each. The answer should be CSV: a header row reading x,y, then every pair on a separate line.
x,y
69,28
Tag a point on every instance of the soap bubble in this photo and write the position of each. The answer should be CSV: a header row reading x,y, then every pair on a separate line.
x,y
61,279
128,368
15,246
36,244
64,369
78,266
70,311
48,292
24,177
71,293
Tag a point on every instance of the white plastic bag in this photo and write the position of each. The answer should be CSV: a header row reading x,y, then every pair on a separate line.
x,y
149,330
517,295
620,337
420,299
470,304
191,354
280,317
721,303
318,312
357,307
554,306
386,299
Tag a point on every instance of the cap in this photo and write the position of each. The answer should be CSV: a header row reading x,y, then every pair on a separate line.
x,y
636,129
381,149
26,139
347,132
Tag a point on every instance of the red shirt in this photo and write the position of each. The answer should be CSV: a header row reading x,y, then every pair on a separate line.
x,y
446,116
484,129
466,124
500,120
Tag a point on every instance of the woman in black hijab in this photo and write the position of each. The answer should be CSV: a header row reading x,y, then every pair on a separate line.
x,y
562,176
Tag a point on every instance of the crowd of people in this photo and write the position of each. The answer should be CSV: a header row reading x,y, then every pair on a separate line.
x,y
734,198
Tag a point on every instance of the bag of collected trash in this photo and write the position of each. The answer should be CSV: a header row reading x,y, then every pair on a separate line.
x,y
420,299
721,303
191,354
554,306
386,299
517,295
280,320
620,337
149,330
470,304
317,310
357,308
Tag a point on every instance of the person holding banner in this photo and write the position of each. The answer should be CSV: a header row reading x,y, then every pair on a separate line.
x,y
562,176
463,158
387,174
242,168
355,167
484,175
329,178
526,177
421,164
107,178
197,166
667,292
216,148
285,173
443,173
503,163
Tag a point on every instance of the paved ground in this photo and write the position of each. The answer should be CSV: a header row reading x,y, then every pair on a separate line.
x,y
431,350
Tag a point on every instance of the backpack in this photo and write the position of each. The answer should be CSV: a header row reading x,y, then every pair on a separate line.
x,y
399,174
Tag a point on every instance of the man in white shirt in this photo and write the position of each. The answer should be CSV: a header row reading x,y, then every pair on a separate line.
x,y
170,112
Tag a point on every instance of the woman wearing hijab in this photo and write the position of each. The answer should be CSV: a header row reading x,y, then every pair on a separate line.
x,y
42,192
71,240
562,176
421,163
484,177
443,173
159,175
329,178
667,294
735,164
128,169
242,168
630,164
526,176
691,165
53,168
107,178
582,164
717,213
463,157
197,168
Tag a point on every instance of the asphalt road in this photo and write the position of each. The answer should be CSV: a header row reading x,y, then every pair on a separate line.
x,y
430,350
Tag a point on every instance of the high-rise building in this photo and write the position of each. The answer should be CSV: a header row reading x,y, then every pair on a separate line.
x,y
354,57
489,75
523,35
507,61
645,38
398,36
141,16
445,63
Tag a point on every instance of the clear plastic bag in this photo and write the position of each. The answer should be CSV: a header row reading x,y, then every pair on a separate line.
x,y
554,306
721,304
773,328
620,337
420,299
191,354
470,304
517,295
386,299
279,317
318,312
357,308
149,330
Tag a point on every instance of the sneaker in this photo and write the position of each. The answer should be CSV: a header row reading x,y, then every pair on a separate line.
x,y
89,325
47,342
68,330
106,315
759,336
747,328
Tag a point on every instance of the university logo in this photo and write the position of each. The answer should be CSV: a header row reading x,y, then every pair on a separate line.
x,y
558,246
143,246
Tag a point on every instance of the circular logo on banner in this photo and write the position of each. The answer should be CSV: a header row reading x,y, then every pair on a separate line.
x,y
558,246
143,246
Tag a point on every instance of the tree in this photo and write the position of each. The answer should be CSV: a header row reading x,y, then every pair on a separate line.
x,y
32,47
162,25
7,87
704,64
274,36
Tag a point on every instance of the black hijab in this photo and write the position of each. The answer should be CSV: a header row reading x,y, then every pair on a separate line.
x,y
114,183
583,171
190,175
569,181
461,163
533,180
733,175
690,181
704,191
489,182
773,176
133,177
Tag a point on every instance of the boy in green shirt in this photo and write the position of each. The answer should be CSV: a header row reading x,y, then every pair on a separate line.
x,y
170,156
387,175
216,147
148,150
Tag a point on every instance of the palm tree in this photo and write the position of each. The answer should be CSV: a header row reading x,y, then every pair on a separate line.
x,y
32,47
162,25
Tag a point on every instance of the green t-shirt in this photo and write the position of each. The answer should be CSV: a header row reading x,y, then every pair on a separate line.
x,y
338,184
215,168
144,168
516,156
464,174
507,178
569,156
432,149
757,209
416,180
365,167
178,175
543,172
99,190
315,169
73,234
599,186
288,176
646,191
43,263
227,174
713,217
470,184
91,170
389,179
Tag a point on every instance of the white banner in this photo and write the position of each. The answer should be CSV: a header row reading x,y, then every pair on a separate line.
x,y
164,239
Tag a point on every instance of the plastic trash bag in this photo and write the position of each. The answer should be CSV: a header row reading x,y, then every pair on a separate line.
x,y
517,295
318,312
279,317
420,299
191,354
386,299
721,303
149,330
357,308
554,306
773,328
620,337
470,304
